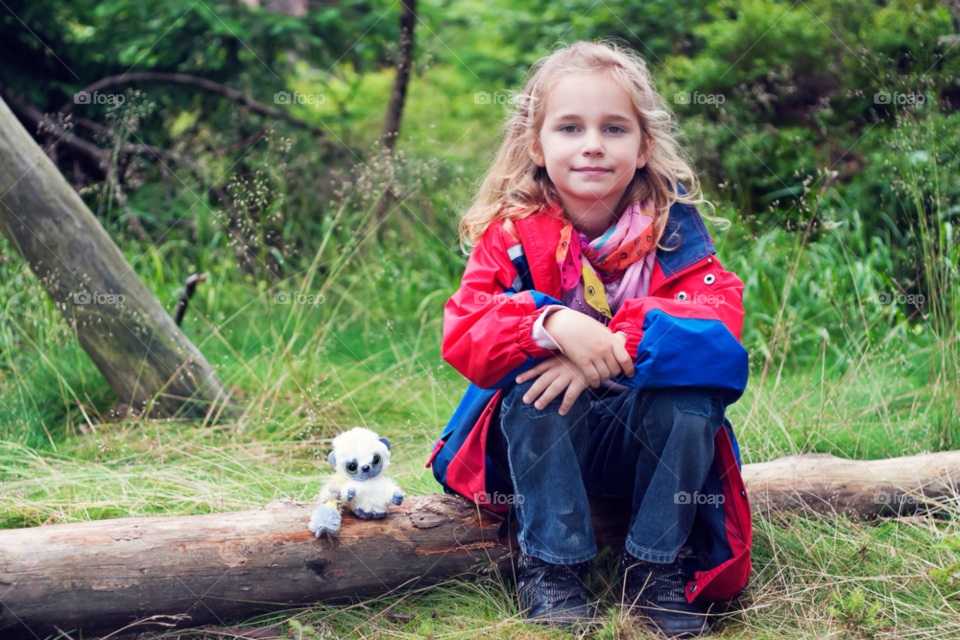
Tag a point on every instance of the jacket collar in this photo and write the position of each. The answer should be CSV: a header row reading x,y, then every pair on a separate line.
x,y
685,236
686,239
540,234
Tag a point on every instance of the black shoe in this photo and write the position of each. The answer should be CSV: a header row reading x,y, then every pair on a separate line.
x,y
658,591
554,594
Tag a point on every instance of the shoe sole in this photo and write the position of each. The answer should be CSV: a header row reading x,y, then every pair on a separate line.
x,y
563,623
701,632
639,608
565,619
681,635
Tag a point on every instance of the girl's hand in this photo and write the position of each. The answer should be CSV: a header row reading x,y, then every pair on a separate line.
x,y
556,374
597,352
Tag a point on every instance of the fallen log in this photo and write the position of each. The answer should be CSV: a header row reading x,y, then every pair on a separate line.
x,y
101,576
824,483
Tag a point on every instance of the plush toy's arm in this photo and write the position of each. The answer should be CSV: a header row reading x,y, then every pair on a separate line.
x,y
397,497
326,518
330,491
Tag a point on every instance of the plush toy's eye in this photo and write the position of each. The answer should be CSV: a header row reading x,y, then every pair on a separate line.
x,y
352,467
376,459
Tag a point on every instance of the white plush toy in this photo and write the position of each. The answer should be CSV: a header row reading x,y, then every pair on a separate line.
x,y
360,458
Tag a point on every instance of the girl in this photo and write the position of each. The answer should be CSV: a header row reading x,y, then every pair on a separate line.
x,y
601,336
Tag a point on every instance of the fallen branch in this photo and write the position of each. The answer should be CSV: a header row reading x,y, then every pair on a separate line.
x,y
94,157
96,160
100,576
188,290
202,83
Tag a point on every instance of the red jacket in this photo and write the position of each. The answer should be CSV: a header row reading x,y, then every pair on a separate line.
x,y
686,332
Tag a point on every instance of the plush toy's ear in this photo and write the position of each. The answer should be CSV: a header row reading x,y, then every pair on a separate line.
x,y
386,442
332,459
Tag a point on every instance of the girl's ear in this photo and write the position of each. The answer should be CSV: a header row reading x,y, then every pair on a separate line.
x,y
535,153
645,151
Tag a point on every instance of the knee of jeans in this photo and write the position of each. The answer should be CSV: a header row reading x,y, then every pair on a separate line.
x,y
513,403
697,401
693,406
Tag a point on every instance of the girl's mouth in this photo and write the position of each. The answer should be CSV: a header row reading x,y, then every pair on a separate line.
x,y
593,171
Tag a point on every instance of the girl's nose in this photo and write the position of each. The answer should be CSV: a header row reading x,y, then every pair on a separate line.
x,y
592,145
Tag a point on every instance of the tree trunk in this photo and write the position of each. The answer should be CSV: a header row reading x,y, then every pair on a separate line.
x,y
143,355
193,570
391,125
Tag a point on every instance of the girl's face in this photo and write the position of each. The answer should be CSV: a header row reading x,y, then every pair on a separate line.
x,y
590,142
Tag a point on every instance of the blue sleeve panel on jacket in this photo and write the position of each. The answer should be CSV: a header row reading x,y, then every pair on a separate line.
x,y
688,352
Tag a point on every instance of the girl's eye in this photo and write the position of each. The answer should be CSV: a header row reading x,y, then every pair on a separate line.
x,y
352,467
567,128
376,459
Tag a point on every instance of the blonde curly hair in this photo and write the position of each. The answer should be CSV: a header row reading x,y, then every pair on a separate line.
x,y
515,186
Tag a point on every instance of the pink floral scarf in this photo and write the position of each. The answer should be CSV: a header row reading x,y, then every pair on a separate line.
x,y
608,256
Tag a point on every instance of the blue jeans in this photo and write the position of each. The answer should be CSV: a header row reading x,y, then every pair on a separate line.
x,y
653,446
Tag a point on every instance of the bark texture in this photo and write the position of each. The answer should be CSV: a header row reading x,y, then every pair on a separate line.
x,y
191,570
824,483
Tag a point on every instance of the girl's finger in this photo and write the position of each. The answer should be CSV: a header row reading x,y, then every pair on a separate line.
x,y
573,391
533,371
593,376
603,370
612,363
626,362
552,392
538,386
